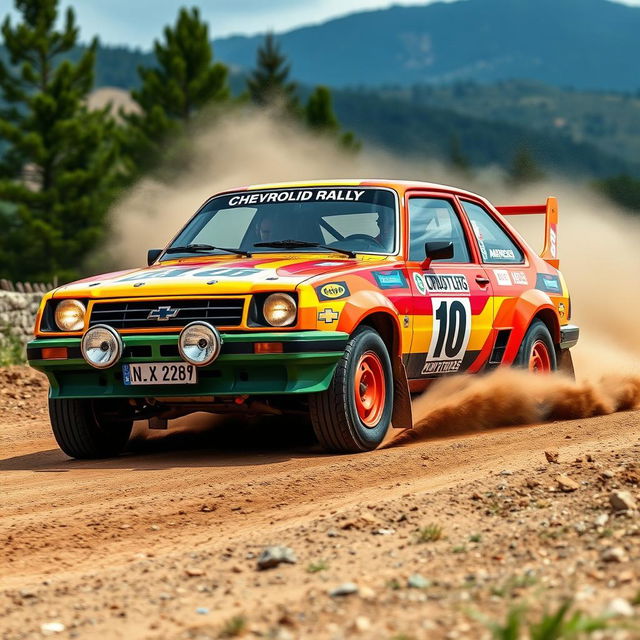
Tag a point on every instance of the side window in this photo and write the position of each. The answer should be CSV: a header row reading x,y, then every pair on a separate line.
x,y
432,219
495,245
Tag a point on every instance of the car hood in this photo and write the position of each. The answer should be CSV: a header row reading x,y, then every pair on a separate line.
x,y
215,276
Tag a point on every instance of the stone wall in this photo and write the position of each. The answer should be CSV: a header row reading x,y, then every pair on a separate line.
x,y
18,313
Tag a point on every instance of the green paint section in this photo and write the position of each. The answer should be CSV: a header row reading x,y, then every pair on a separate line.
x,y
230,374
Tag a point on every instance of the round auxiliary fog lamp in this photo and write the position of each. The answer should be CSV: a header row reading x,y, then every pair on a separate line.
x,y
199,343
101,346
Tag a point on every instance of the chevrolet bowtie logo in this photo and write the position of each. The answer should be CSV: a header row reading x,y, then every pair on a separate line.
x,y
328,316
163,313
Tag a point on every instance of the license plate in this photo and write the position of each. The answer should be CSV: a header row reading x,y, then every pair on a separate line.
x,y
159,373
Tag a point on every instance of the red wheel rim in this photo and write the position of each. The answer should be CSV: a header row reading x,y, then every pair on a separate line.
x,y
370,389
540,360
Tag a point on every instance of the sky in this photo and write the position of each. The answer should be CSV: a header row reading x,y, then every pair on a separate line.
x,y
136,23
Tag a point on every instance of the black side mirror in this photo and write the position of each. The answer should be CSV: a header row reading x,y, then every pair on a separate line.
x,y
153,255
436,251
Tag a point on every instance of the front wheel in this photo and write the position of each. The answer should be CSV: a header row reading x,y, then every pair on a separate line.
x,y
83,429
354,413
537,352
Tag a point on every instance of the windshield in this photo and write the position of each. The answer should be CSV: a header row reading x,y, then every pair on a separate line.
x,y
359,219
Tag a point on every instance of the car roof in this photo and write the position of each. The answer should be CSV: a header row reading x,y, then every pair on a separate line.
x,y
401,185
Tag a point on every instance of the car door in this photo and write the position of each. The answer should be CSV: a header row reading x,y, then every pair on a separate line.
x,y
452,298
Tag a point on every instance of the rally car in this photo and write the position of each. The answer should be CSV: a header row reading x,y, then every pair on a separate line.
x,y
336,300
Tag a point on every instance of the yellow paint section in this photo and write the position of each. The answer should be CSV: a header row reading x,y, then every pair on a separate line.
x,y
406,334
481,327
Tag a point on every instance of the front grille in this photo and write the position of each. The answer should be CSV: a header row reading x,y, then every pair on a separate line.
x,y
224,312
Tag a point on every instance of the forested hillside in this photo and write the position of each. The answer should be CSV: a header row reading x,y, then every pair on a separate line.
x,y
427,130
610,121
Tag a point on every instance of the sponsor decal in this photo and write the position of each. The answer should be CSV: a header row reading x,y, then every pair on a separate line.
x,y
553,240
405,322
446,283
562,310
520,277
448,366
450,336
220,272
393,279
333,291
223,272
502,277
547,282
480,239
420,283
296,195
328,316
502,254
174,272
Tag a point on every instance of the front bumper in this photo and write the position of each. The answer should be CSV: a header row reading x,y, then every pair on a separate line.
x,y
569,335
306,365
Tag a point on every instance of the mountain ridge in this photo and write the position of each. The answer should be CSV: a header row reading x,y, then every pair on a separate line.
x,y
593,42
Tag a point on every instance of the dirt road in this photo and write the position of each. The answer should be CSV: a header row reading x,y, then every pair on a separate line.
x,y
162,542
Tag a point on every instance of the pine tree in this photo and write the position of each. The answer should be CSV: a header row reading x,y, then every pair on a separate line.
x,y
623,189
524,168
321,118
184,80
457,159
268,83
319,111
58,173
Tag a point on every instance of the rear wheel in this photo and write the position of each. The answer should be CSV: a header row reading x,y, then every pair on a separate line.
x,y
354,413
537,352
84,429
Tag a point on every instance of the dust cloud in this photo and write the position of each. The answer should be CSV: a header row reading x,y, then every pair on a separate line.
x,y
244,148
597,247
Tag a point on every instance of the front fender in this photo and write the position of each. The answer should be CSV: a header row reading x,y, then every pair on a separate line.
x,y
365,303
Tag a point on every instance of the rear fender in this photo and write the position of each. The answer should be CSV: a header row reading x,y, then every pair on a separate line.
x,y
531,304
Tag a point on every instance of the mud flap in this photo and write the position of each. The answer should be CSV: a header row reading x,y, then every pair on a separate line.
x,y
402,416
565,363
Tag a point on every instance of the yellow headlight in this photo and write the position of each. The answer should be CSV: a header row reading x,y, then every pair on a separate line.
x,y
279,309
70,315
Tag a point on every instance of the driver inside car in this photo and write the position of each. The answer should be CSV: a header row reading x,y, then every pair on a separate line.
x,y
385,231
265,230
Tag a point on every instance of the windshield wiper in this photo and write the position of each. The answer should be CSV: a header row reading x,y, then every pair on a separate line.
x,y
300,244
197,248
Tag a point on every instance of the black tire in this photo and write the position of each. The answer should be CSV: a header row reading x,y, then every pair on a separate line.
x,y
537,332
83,431
333,412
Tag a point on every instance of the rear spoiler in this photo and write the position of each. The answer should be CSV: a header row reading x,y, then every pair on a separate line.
x,y
550,209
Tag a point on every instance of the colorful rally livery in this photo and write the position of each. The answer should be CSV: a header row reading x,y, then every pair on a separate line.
x,y
332,300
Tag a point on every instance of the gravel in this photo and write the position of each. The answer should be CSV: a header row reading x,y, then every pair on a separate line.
x,y
274,556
